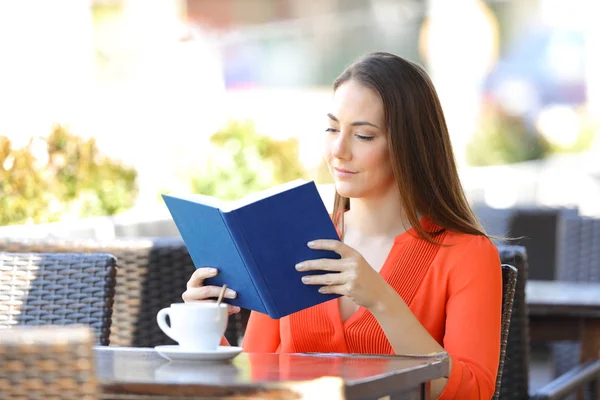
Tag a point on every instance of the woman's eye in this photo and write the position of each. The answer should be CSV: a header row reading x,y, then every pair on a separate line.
x,y
365,138
331,130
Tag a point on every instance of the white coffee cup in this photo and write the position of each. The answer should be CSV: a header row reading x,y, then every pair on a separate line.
x,y
195,326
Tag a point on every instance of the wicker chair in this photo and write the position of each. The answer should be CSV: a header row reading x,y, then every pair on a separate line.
x,y
496,221
515,371
509,283
47,363
57,289
535,228
579,261
152,274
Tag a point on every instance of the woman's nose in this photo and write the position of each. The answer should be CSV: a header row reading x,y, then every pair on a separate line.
x,y
341,148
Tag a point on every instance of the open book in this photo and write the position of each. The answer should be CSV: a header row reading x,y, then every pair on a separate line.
x,y
255,243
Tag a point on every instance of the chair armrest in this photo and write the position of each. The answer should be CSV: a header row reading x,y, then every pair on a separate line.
x,y
569,382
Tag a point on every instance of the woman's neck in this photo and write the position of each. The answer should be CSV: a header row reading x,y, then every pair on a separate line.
x,y
376,217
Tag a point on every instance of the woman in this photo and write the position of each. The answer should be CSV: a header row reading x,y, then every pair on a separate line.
x,y
417,273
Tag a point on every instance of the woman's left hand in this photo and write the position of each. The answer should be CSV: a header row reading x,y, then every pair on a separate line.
x,y
350,275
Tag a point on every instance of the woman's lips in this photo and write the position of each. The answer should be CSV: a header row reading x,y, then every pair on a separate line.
x,y
343,173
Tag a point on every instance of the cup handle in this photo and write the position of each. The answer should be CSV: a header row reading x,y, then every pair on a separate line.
x,y
161,319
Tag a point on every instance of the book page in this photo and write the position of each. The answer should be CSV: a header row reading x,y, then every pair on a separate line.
x,y
263,194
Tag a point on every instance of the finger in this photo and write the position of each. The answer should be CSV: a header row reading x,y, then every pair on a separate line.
x,y
323,264
325,279
198,277
230,309
334,289
334,245
206,292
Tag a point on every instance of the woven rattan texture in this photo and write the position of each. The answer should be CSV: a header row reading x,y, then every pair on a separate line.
x,y
579,250
515,371
152,274
57,289
509,282
47,363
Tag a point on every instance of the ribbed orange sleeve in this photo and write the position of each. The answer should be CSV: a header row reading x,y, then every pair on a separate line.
x,y
473,319
262,334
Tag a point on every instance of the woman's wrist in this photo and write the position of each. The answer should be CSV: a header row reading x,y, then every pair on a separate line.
x,y
387,303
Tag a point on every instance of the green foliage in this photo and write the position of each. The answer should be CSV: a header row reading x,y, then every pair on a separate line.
x,y
243,161
504,139
21,185
61,176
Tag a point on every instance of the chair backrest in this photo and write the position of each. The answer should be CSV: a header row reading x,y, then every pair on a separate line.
x,y
539,231
579,249
495,221
47,363
535,228
509,283
152,274
57,289
513,374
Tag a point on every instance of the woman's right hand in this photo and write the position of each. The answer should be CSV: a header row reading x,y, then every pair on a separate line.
x,y
196,291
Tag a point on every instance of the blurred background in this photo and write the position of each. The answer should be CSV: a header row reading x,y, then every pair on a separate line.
x,y
106,104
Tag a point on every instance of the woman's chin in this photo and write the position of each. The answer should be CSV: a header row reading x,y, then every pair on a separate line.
x,y
346,190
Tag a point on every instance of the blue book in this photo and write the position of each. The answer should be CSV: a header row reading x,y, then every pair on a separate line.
x,y
256,242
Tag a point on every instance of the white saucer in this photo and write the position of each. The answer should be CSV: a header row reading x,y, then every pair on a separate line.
x,y
175,353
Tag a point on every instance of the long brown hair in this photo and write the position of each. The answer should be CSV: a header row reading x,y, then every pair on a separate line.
x,y
419,144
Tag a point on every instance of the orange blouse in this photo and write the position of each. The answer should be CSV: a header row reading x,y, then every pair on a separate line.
x,y
454,291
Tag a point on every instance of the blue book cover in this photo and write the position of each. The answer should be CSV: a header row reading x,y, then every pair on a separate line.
x,y
256,242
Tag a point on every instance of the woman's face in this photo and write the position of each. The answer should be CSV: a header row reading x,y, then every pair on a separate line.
x,y
356,148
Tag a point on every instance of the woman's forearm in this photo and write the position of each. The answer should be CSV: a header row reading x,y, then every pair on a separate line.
x,y
404,331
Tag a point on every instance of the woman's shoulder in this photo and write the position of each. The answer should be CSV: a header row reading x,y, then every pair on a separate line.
x,y
463,249
464,240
